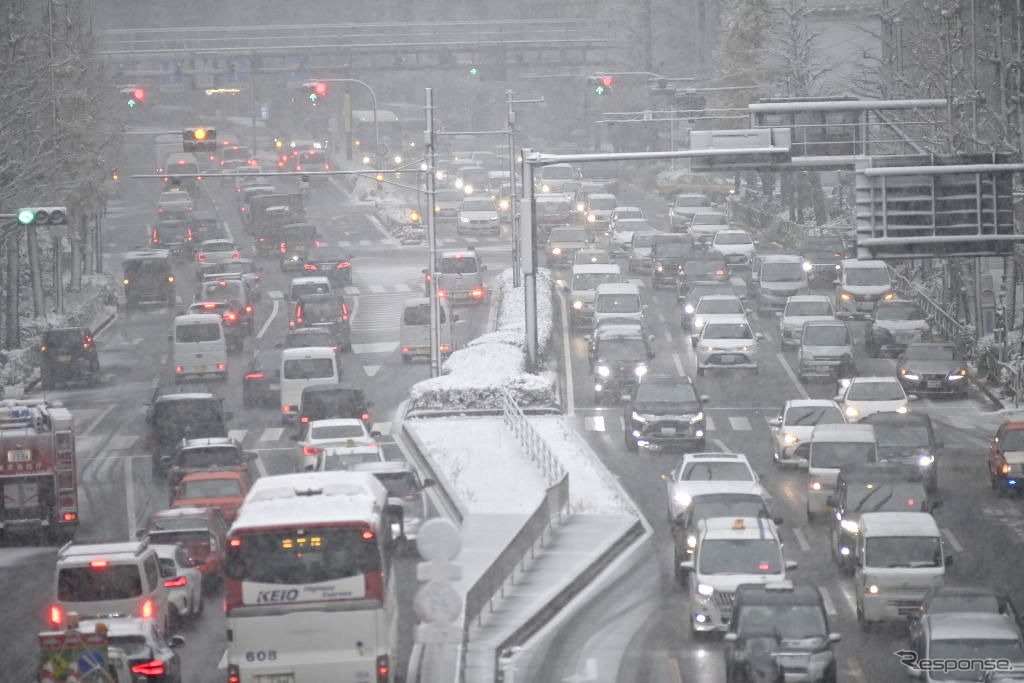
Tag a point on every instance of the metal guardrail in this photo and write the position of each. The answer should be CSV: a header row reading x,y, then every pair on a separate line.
x,y
534,445
951,328
1011,376
765,221
503,570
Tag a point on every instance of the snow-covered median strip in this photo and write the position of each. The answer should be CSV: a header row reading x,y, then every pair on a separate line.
x,y
481,459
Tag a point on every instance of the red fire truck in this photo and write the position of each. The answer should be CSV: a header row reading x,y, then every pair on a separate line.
x,y
38,492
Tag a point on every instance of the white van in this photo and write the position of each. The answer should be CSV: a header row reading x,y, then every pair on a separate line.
x,y
414,334
619,300
301,368
833,446
300,286
198,346
861,285
899,557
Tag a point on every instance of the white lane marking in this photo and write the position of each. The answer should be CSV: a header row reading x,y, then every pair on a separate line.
x,y
622,423
792,375
401,287
570,395
270,319
952,540
99,418
272,434
377,289
801,539
129,497
237,434
382,427
379,227
260,467
826,597
739,423
668,336
594,423
709,424
121,442
851,601
275,294
377,347
371,370
344,243
673,670
856,673
679,364
351,290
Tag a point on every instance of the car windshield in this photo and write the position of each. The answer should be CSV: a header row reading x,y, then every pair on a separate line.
x,y
349,431
309,368
557,208
618,303
973,650
209,488
785,621
782,272
703,470
302,288
302,341
331,254
710,219
664,392
289,557
602,203
335,403
1012,440
189,418
697,269
727,331
895,496
136,267
198,458
345,460
867,277
835,454
217,246
223,290
671,250
588,281
89,584
320,310
479,205
900,434
728,505
903,551
814,415
826,335
746,556
178,524
692,201
63,339
927,352
876,391
572,235
969,602
808,308
197,332
623,214
458,265
214,269
733,238
622,349
643,241
899,311
720,307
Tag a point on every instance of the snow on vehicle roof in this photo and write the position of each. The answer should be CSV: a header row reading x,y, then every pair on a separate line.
x,y
311,498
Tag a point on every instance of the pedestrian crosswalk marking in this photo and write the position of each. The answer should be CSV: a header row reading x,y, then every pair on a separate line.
x,y
594,423
275,294
271,434
383,427
352,291
376,347
237,434
121,442
739,423
709,423
371,370
344,243
377,289
400,287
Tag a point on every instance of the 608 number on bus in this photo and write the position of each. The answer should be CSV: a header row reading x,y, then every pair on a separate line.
x,y
261,656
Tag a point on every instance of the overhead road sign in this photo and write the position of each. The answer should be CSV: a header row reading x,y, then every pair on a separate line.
x,y
739,141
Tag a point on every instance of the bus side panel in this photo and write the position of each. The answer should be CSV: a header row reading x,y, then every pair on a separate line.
x,y
311,646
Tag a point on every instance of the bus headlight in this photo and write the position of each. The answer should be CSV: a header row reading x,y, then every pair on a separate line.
x,y
850,526
705,590
603,370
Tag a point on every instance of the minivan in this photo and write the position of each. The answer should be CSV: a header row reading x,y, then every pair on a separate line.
x,y
826,348
199,347
833,446
334,401
776,277
301,368
861,285
414,332
324,310
620,300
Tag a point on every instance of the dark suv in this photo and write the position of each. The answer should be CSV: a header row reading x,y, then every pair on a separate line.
x,y
778,629
908,439
665,413
619,357
333,401
68,354
324,310
173,417
148,278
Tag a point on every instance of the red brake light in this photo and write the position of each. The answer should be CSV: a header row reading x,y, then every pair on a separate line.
x,y
70,516
153,667
209,306
148,609
248,309
719,272
309,266
156,236
477,293
253,375
236,255
284,247
200,257
344,311
366,417
222,366
311,450
234,675
176,582
347,264
231,316
304,419
99,564
235,542
383,669
369,535
56,615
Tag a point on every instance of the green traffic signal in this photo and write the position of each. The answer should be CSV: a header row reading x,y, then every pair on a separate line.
x,y
599,90
473,71
26,216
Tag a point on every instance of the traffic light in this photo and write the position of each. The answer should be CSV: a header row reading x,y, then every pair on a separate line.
x,y
602,85
43,215
134,96
316,91
199,139
473,71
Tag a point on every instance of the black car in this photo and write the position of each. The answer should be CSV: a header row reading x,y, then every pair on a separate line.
x,y
778,629
148,278
334,401
706,506
261,379
934,368
667,258
824,251
908,439
896,323
331,262
294,241
619,358
708,267
67,354
329,311
237,294
173,417
881,487
665,413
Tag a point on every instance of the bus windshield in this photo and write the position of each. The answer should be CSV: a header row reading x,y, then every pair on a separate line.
x,y
294,556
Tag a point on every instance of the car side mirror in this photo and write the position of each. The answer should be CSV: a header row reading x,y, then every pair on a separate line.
x,y
949,560
250,456
176,641
705,398
778,314
650,339
141,534
730,637
936,504
835,282
589,339
686,566
775,422
912,397
749,311
779,520
429,482
791,565
165,460
837,397
834,637
375,434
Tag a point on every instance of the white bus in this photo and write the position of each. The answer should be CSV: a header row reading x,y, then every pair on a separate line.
x,y
308,594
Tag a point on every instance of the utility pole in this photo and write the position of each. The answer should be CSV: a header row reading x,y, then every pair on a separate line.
x,y
513,205
435,303
530,272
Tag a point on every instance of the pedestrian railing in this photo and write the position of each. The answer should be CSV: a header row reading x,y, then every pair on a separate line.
x,y
951,328
1011,377
533,444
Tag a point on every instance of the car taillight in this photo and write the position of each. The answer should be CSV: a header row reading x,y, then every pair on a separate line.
x,y
345,264
248,309
200,257
156,236
147,610
317,243
366,417
153,667
234,675
344,311
383,669
441,294
236,255
170,278
222,366
179,368
284,247
177,582
253,375
231,317
310,450
188,234
56,615
477,293
309,266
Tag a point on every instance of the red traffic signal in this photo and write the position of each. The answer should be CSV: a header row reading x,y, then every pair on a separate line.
x,y
320,88
607,81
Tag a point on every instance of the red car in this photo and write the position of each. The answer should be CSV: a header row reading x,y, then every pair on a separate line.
x,y
1006,458
221,489
202,531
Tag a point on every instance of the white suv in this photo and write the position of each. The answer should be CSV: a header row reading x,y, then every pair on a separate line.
x,y
703,473
730,551
106,579
727,343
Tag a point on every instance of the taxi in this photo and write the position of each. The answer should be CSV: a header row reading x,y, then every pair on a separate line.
x,y
338,444
1006,458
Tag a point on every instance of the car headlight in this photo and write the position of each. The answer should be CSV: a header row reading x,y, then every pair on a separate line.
x,y
790,439
603,370
580,207
503,205
468,189
846,296
699,417
640,370
545,188
691,541
660,268
705,590
556,250
852,411
959,374
815,485
682,498
459,183
708,347
889,296
577,305
744,348
872,589
698,322
850,526
925,460
688,309
908,375
463,219
591,218
637,417
903,409
807,267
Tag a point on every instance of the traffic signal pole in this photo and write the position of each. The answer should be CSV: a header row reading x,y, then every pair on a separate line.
x,y
435,303
513,204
